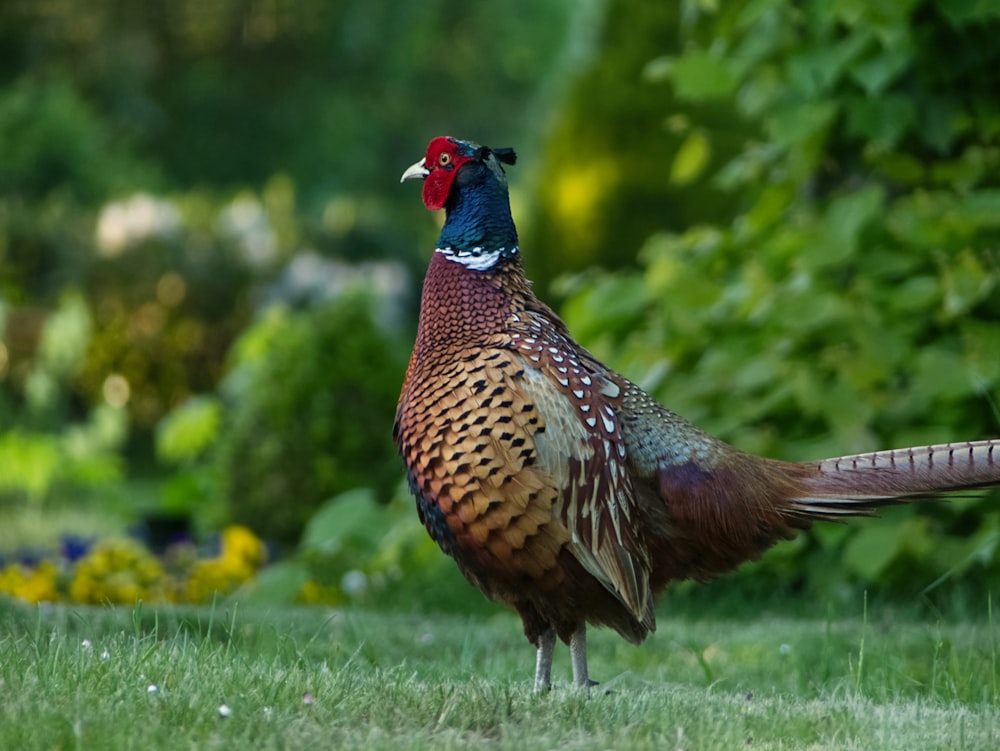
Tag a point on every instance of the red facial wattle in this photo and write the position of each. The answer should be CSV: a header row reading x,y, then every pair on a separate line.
x,y
443,161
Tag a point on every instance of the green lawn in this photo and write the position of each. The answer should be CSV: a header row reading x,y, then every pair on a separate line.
x,y
77,678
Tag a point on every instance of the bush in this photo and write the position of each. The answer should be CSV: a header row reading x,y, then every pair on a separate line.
x,y
311,399
358,550
853,300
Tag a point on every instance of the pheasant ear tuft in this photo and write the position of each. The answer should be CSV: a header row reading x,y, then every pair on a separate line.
x,y
507,156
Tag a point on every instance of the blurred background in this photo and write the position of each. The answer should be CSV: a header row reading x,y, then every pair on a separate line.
x,y
783,222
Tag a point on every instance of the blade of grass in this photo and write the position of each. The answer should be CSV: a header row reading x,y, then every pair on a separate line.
x,y
861,647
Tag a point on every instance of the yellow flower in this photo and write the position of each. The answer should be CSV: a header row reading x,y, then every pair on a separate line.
x,y
119,571
216,576
241,555
32,585
239,543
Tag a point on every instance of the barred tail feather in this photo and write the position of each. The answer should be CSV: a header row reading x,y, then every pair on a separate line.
x,y
858,484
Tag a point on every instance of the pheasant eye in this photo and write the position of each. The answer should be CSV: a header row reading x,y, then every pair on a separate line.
x,y
444,159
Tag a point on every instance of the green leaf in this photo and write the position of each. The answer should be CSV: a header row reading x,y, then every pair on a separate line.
x,y
188,431
883,120
816,69
926,219
981,347
351,521
772,205
966,282
32,462
981,208
940,373
95,470
916,294
884,15
962,12
940,121
843,222
874,548
276,584
877,73
608,304
797,123
65,337
182,491
691,159
698,75
900,167
964,172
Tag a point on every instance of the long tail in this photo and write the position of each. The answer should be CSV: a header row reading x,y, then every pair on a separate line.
x,y
856,485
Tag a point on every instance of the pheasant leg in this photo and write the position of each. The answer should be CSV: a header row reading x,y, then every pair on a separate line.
x,y
543,661
578,655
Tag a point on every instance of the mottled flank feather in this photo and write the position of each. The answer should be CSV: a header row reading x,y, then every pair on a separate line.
x,y
563,489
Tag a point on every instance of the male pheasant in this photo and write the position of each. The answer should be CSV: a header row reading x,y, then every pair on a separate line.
x,y
560,487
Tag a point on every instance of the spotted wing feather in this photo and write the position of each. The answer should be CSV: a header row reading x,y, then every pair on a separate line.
x,y
584,453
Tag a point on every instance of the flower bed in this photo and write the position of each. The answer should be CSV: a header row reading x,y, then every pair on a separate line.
x,y
124,570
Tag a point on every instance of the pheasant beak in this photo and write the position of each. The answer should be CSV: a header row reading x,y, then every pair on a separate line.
x,y
415,172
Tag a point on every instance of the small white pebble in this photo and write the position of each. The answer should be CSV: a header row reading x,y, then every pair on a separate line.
x,y
151,688
307,698
224,710
784,649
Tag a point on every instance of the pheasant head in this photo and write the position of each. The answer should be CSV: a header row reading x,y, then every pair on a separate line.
x,y
467,181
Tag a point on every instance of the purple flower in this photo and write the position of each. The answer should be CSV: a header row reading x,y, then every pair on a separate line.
x,y
75,547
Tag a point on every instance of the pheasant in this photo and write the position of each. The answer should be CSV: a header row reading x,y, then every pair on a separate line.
x,y
560,487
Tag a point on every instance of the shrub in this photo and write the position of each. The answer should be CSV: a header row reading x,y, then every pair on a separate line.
x,y
311,398
358,550
852,299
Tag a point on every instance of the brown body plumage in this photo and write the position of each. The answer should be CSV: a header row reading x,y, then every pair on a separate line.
x,y
561,488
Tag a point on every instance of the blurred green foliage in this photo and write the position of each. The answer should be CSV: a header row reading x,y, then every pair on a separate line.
x,y
359,550
303,414
622,158
312,397
167,159
171,171
851,300
47,450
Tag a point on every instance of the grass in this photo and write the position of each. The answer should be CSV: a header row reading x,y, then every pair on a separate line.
x,y
76,678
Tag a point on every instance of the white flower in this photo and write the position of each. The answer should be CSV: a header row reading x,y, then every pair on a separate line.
x,y
354,582
123,224
246,222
